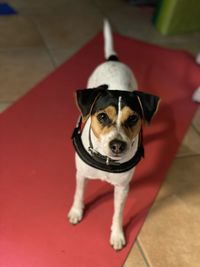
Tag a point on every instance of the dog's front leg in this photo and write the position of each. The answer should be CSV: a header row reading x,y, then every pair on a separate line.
x,y
117,239
76,212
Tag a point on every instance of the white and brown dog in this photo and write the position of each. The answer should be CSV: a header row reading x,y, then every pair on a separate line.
x,y
110,144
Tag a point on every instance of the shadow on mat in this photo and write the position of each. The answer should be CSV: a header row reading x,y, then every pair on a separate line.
x,y
101,195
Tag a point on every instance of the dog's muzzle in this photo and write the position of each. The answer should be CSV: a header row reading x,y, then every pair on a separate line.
x,y
101,162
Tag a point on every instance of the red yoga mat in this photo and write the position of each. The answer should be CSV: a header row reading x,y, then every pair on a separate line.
x,y
37,171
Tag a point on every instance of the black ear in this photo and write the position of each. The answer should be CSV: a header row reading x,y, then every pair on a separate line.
x,y
86,97
149,104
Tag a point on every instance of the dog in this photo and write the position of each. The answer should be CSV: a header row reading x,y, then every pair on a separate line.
x,y
108,136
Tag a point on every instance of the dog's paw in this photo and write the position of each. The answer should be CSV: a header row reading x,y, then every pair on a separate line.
x,y
117,240
75,215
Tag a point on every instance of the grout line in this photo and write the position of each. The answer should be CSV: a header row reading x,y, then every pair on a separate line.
x,y
53,61
45,43
195,129
6,105
142,253
187,156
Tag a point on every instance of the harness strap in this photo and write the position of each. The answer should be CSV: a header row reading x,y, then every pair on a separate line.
x,y
101,162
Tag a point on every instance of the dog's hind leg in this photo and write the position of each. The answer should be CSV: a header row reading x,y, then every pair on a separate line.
x,y
76,212
117,239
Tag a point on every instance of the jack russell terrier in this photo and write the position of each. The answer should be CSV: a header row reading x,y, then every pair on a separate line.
x,y
108,136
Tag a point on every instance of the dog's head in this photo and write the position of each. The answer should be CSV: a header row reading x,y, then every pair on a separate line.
x,y
116,116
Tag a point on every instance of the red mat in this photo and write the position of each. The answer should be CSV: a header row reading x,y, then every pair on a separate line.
x,y
37,160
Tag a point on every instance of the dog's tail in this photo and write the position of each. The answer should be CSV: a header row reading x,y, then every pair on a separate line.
x,y
109,51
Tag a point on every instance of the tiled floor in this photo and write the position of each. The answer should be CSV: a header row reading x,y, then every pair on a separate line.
x,y
42,36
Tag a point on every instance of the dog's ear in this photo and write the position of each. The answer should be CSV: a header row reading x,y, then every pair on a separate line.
x,y
149,104
85,98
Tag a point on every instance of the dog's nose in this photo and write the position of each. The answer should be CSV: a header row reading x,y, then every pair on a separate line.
x,y
117,146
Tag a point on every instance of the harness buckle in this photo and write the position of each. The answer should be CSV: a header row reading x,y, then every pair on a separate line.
x,y
92,150
107,161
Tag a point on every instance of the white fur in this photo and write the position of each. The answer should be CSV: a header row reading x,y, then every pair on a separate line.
x,y
117,76
108,44
198,58
119,112
196,95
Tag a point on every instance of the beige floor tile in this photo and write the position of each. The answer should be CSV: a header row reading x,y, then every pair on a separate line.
x,y
33,3
67,31
4,106
190,144
135,258
18,31
21,69
185,45
16,3
170,236
183,181
196,121
61,55
60,6
180,41
108,6
43,5
192,203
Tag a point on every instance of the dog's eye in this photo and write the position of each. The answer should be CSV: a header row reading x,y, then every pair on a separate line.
x,y
103,118
132,120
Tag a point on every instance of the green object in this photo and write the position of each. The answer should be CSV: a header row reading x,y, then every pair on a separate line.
x,y
177,16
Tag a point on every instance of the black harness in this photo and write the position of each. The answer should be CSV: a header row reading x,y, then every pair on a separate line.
x,y
104,163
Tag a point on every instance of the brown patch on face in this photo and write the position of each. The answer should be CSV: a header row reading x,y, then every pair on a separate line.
x,y
130,131
111,112
125,113
99,129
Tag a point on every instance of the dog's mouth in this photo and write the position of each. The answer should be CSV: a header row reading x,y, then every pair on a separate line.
x,y
115,156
